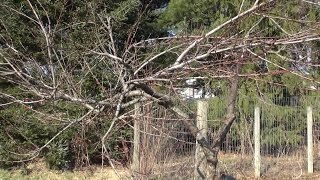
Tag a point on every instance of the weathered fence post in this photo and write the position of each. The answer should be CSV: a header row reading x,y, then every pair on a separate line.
x,y
201,171
309,139
136,140
256,132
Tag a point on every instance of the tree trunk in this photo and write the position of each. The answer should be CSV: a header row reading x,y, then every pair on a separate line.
x,y
210,151
219,137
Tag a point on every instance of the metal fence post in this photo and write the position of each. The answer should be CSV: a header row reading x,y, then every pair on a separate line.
x,y
309,139
202,124
136,140
257,156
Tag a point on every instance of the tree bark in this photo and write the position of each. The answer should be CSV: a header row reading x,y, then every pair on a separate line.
x,y
221,134
210,151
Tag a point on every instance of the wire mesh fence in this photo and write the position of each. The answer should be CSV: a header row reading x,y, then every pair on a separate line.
x,y
167,148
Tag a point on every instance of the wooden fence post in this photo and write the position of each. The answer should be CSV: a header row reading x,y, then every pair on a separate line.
x,y
202,124
136,140
309,139
257,156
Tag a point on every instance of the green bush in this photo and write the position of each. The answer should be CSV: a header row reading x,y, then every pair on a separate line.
x,y
58,155
22,131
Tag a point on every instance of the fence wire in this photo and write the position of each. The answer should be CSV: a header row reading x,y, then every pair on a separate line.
x,y
167,148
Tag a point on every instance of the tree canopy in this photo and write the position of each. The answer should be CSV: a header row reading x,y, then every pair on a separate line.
x,y
71,71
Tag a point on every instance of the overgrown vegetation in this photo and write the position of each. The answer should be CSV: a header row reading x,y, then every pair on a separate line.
x,y
72,71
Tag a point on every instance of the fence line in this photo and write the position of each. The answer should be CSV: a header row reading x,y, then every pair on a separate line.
x,y
167,147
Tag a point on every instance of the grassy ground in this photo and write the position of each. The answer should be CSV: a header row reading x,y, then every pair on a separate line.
x,y
39,171
106,173
234,165
241,167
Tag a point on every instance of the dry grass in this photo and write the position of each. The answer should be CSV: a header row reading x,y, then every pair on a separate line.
x,y
241,167
40,171
237,166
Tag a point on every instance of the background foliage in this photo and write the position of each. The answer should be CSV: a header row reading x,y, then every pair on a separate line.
x,y
76,25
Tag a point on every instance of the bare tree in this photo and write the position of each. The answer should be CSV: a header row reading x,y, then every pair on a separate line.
x,y
134,75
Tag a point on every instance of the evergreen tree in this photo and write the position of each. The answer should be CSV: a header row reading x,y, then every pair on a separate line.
x,y
72,28
285,90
